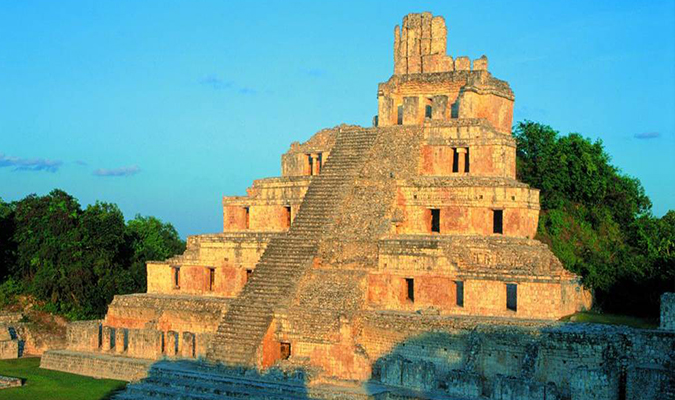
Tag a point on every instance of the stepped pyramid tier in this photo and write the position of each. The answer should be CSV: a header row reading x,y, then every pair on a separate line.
x,y
416,222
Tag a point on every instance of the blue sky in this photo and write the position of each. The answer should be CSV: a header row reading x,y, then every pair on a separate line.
x,y
164,106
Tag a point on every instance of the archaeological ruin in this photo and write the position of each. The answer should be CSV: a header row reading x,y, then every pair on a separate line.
x,y
396,261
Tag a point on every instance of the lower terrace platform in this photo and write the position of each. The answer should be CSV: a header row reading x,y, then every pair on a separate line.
x,y
96,365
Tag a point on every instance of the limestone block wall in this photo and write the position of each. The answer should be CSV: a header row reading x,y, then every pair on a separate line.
x,y
477,102
9,349
484,266
270,206
212,265
539,300
152,343
481,159
305,159
488,152
84,335
467,206
462,94
559,361
165,312
99,366
439,92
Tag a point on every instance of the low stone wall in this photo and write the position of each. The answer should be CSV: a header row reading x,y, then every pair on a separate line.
x,y
9,382
560,361
94,337
9,349
9,317
668,311
96,365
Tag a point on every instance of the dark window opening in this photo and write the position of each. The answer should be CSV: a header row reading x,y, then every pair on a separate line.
x,y
427,111
176,277
125,339
113,334
248,274
399,116
285,349
162,343
454,110
288,216
248,215
100,336
310,163
459,286
455,161
498,221
212,278
410,289
435,220
467,164
512,296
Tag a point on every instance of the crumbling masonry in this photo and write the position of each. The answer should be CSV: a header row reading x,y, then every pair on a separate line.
x,y
400,256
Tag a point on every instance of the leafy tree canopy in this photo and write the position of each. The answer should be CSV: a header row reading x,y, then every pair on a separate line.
x,y
76,260
597,220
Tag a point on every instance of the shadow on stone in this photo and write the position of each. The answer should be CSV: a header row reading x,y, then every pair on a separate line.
x,y
203,380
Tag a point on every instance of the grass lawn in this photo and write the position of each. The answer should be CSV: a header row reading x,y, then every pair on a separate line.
x,y
44,384
612,319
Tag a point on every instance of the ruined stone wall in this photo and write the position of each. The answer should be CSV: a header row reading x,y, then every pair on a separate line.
x,y
484,265
265,207
230,256
296,161
466,206
166,312
420,45
101,366
477,102
9,349
561,361
417,99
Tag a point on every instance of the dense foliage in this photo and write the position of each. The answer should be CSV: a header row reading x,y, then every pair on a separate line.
x,y
598,220
74,260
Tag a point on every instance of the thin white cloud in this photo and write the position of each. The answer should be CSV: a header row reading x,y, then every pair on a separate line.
x,y
122,171
29,164
215,82
647,135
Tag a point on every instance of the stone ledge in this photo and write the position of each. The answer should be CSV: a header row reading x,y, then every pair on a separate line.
x,y
96,365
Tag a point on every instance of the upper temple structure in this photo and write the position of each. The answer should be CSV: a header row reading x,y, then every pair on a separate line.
x,y
371,238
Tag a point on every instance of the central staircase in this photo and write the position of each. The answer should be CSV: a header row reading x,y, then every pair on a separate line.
x,y
288,257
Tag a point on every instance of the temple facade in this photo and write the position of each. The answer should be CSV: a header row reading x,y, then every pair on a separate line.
x,y
370,236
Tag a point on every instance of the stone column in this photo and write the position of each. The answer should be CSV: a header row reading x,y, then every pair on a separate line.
x,y
119,340
461,159
188,345
108,339
315,164
411,111
170,348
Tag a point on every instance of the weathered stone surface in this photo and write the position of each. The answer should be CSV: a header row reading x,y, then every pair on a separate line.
x,y
392,262
96,365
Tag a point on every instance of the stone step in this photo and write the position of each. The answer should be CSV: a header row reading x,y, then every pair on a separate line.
x,y
287,258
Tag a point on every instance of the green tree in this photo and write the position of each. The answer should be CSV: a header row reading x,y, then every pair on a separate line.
x,y
150,240
47,238
7,244
596,219
102,270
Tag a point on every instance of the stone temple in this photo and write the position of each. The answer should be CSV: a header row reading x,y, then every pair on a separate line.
x,y
393,261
